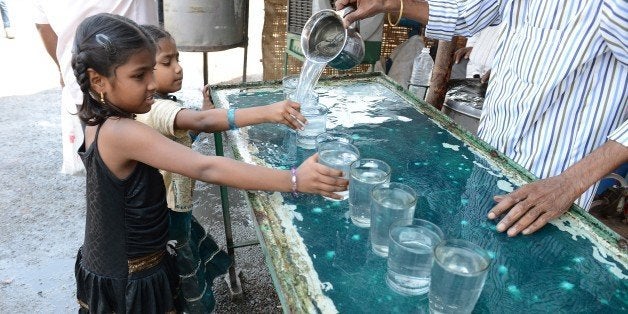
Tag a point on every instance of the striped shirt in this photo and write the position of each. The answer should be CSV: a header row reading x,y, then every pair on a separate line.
x,y
559,79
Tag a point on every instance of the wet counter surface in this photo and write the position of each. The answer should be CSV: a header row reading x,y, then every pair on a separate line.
x,y
320,261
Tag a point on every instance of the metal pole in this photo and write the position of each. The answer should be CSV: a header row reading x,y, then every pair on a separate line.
x,y
245,29
235,287
205,70
160,12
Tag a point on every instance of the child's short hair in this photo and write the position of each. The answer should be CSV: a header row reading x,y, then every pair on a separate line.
x,y
103,42
155,32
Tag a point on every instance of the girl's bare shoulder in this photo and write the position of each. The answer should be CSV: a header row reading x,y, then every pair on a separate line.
x,y
126,127
124,132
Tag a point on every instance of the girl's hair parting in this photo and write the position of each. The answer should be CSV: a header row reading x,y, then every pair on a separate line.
x,y
155,32
104,42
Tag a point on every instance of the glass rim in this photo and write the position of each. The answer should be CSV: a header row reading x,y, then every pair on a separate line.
x,y
404,223
399,185
329,143
380,162
332,136
461,243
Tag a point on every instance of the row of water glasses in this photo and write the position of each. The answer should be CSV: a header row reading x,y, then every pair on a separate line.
x,y
420,258
416,249
335,150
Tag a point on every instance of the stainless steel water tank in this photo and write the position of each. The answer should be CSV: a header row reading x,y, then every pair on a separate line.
x,y
464,102
209,25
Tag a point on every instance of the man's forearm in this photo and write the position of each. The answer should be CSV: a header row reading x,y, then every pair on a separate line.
x,y
597,164
417,10
49,37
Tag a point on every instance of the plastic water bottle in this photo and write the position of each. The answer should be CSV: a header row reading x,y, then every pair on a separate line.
x,y
421,73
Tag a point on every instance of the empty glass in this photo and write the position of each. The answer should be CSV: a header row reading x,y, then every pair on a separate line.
x,y
365,174
390,202
338,155
459,272
410,255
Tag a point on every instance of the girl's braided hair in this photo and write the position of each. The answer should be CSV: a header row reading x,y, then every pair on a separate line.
x,y
104,42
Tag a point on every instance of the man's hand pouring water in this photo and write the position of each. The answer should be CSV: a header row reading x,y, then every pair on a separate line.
x,y
415,9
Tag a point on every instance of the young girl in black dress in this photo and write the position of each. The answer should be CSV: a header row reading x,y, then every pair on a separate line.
x,y
123,265
199,259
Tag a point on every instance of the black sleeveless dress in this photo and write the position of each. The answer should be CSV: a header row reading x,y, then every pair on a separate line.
x,y
123,265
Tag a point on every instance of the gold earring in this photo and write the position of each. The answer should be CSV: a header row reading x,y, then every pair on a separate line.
x,y
102,98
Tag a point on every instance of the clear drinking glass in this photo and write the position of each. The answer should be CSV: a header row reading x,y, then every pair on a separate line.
x,y
459,272
316,124
390,202
338,155
365,174
316,116
410,255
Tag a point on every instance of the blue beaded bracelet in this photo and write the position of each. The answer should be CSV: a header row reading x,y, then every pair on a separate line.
x,y
231,118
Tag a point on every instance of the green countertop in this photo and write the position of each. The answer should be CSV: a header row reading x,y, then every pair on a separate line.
x,y
320,262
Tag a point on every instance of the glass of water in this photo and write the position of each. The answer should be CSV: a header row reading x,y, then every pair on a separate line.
x,y
390,202
459,272
333,136
364,175
410,255
316,124
338,155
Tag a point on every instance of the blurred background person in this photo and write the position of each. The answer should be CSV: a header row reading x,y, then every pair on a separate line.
x,y
4,12
475,60
56,21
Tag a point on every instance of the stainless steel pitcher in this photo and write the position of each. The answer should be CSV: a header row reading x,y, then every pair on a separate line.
x,y
324,39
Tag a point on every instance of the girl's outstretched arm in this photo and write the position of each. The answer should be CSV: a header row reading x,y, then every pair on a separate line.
x,y
124,142
285,112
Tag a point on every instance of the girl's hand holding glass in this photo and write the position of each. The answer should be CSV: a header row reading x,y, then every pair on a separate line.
x,y
285,112
313,177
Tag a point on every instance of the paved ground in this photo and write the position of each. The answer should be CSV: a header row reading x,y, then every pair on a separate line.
x,y
42,211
